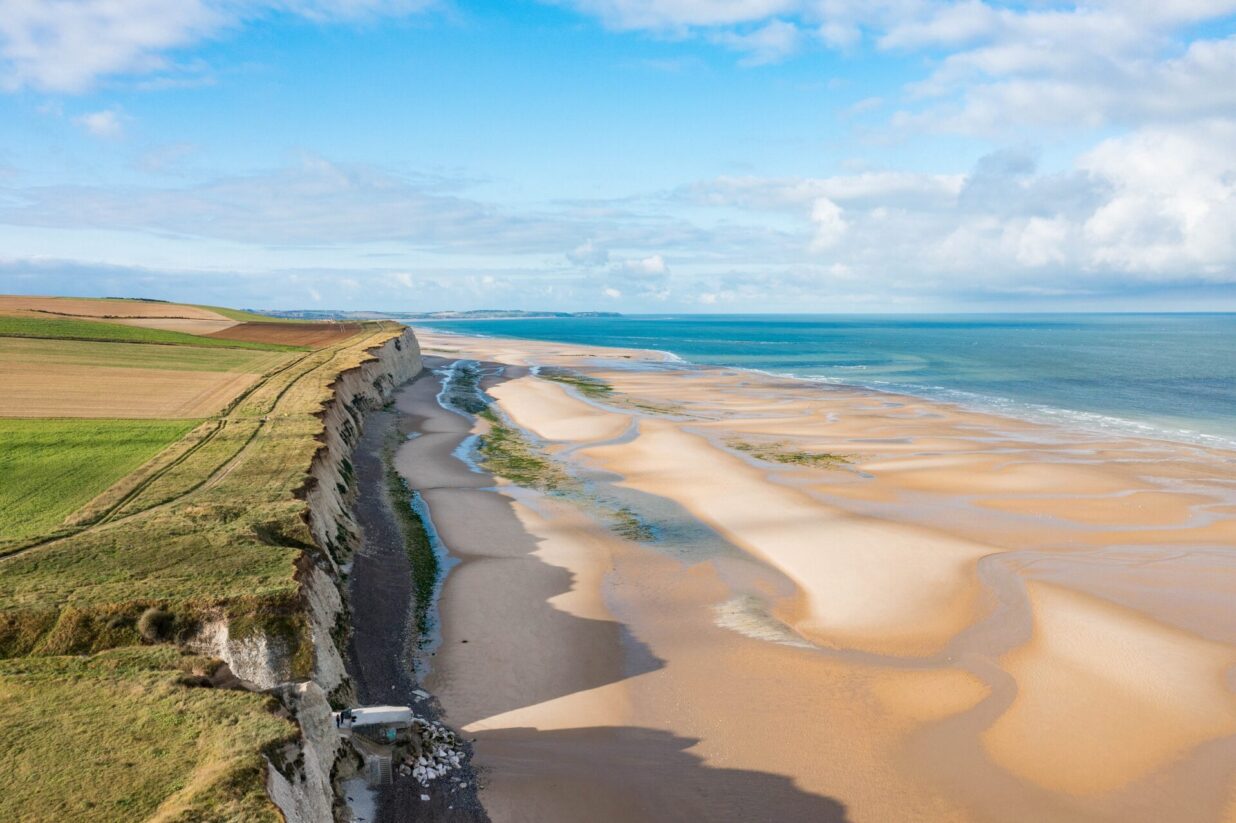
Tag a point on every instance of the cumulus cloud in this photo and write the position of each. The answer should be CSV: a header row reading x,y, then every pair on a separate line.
x,y
996,65
770,43
652,267
1156,206
829,224
588,254
106,123
66,45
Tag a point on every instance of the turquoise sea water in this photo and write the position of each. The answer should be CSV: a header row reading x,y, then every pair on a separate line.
x,y
1162,375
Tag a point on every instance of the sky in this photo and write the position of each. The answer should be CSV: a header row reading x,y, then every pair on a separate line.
x,y
644,156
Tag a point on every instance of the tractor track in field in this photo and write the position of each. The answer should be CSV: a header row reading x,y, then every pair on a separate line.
x,y
113,514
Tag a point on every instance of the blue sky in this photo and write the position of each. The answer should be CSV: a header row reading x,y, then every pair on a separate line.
x,y
677,155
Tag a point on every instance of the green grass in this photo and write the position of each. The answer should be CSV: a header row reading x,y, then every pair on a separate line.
x,y
778,453
424,561
112,736
506,452
115,738
588,386
52,467
72,328
231,543
136,355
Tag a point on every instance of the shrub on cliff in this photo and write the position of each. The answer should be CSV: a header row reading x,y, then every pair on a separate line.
x,y
155,625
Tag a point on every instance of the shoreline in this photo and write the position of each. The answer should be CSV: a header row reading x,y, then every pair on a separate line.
x,y
1041,414
383,637
934,575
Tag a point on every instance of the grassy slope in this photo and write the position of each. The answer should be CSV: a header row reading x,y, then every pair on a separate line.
x,y
53,467
113,737
74,329
226,536
137,355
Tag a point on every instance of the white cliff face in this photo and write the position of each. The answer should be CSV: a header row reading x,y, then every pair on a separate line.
x,y
300,785
304,793
325,605
261,661
369,386
356,390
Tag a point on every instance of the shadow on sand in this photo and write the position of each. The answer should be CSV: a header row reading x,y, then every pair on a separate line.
x,y
625,773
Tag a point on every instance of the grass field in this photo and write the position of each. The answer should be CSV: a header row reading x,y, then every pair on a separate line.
x,y
72,328
113,738
53,467
213,527
137,356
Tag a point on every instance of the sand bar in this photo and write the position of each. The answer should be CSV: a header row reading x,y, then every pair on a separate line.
x,y
957,623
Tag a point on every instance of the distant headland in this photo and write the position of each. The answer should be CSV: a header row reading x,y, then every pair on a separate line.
x,y
476,314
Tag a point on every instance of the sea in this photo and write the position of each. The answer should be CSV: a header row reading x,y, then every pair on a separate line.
x,y
1169,376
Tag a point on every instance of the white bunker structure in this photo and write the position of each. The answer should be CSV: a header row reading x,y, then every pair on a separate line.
x,y
386,735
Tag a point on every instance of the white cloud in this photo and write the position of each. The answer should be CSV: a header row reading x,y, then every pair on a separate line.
x,y
66,45
588,253
996,66
1173,207
652,266
830,225
106,123
772,42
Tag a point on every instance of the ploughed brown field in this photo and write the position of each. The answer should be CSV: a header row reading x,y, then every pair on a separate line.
x,y
290,334
70,390
75,378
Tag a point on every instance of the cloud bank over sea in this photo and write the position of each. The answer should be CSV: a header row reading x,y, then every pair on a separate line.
x,y
624,154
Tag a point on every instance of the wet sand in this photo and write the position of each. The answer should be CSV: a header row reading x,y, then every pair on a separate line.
x,y
974,618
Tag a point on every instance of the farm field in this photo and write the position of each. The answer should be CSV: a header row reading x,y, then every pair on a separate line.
x,y
137,356
78,378
103,307
53,467
74,328
178,324
104,518
289,333
63,390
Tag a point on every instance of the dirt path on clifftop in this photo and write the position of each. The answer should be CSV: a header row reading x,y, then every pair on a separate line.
x,y
380,595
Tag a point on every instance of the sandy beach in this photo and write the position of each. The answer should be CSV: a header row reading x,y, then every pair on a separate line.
x,y
840,605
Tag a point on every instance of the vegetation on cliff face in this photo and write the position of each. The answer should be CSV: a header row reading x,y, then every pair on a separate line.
x,y
213,528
